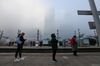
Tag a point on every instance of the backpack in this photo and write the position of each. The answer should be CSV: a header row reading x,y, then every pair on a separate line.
x,y
18,41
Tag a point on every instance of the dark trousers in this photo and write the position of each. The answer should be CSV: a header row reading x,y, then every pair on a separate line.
x,y
54,54
18,51
75,53
74,49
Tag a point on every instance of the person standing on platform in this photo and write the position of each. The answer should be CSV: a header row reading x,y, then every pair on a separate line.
x,y
20,42
18,50
74,45
54,43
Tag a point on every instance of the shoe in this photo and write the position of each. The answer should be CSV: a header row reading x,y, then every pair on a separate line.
x,y
16,60
22,58
55,60
75,55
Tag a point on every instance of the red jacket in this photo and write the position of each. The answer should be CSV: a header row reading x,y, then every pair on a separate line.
x,y
73,41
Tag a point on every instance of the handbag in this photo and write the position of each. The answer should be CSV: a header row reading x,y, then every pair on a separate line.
x,y
18,41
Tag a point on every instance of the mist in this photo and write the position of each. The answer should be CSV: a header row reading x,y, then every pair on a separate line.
x,y
45,15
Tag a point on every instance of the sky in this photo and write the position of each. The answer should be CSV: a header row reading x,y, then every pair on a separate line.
x,y
30,15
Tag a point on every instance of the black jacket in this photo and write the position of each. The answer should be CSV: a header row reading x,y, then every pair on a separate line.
x,y
54,43
22,39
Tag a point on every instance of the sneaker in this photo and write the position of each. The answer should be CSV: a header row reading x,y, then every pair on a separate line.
x,y
22,58
16,60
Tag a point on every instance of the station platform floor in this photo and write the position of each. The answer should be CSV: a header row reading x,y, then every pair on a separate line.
x,y
45,59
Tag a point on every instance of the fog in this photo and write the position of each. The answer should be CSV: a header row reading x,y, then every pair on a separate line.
x,y
45,15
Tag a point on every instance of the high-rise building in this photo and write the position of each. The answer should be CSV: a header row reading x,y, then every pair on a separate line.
x,y
49,26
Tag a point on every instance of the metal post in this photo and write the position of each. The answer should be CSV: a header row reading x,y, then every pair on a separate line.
x,y
57,34
78,37
96,18
75,32
38,35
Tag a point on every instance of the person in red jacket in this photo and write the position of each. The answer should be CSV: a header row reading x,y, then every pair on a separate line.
x,y
74,45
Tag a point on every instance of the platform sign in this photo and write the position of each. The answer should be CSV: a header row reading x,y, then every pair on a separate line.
x,y
92,25
85,12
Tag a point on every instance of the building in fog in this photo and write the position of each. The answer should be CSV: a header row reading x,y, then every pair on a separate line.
x,y
49,26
